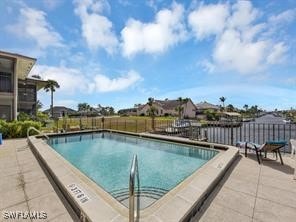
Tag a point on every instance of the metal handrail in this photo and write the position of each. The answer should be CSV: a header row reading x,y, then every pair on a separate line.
x,y
134,169
36,130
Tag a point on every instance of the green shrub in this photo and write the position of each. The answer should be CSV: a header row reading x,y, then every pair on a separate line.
x,y
17,129
42,117
26,125
4,128
23,116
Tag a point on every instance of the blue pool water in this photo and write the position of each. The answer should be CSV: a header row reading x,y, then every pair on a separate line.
x,y
106,159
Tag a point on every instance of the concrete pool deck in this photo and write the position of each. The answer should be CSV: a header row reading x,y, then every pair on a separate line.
x,y
24,186
248,192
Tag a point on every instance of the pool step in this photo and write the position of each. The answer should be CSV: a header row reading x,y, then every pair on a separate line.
x,y
148,192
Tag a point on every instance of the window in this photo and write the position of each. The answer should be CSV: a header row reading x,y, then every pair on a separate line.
x,y
26,92
5,112
5,82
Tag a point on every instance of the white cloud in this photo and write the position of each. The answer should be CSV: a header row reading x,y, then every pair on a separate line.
x,y
208,20
75,81
284,17
103,83
233,53
277,53
52,4
97,29
241,44
167,30
243,14
70,80
207,66
32,24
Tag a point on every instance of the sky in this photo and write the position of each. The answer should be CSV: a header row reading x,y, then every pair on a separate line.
x,y
119,53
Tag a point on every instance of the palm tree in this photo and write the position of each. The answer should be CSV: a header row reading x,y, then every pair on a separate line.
x,y
222,99
151,111
185,101
51,86
179,108
38,105
83,107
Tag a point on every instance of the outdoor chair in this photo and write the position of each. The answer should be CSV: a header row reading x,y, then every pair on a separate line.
x,y
270,146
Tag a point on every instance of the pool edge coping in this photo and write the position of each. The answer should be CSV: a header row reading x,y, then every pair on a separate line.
x,y
201,182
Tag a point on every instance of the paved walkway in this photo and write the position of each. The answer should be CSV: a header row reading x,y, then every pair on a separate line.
x,y
248,192
25,187
253,192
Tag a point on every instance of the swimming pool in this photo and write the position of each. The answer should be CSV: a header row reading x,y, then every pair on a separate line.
x,y
106,158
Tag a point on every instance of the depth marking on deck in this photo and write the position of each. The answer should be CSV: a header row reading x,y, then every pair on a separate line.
x,y
78,193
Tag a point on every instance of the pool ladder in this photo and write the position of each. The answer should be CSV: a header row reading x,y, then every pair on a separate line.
x,y
133,214
36,130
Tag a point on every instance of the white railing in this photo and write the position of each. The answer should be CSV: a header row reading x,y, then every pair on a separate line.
x,y
36,130
134,170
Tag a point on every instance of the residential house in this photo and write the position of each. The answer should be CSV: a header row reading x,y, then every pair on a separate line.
x,y
128,112
170,107
18,92
61,111
202,107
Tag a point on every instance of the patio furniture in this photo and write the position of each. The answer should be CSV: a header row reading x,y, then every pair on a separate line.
x,y
270,146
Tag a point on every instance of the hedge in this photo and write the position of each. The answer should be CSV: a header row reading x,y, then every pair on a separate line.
x,y
17,129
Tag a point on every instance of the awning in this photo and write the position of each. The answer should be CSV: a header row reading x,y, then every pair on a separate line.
x,y
24,63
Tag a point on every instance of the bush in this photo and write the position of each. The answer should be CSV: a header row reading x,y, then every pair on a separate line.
x,y
23,116
42,117
4,128
17,129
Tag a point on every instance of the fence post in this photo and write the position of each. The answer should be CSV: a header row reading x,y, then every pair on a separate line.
x,y
273,132
206,134
231,136
136,125
57,125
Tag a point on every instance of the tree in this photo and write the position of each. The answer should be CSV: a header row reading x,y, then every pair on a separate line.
x,y
83,107
246,107
137,105
151,111
222,99
51,86
39,105
185,101
230,108
180,108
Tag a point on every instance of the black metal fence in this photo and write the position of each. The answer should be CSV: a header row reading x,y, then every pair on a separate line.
x,y
216,132
254,132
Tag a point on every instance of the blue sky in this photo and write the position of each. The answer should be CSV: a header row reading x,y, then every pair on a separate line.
x,y
119,53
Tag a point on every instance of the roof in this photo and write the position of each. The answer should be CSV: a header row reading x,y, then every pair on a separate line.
x,y
231,114
59,109
24,63
169,104
206,105
40,83
128,110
